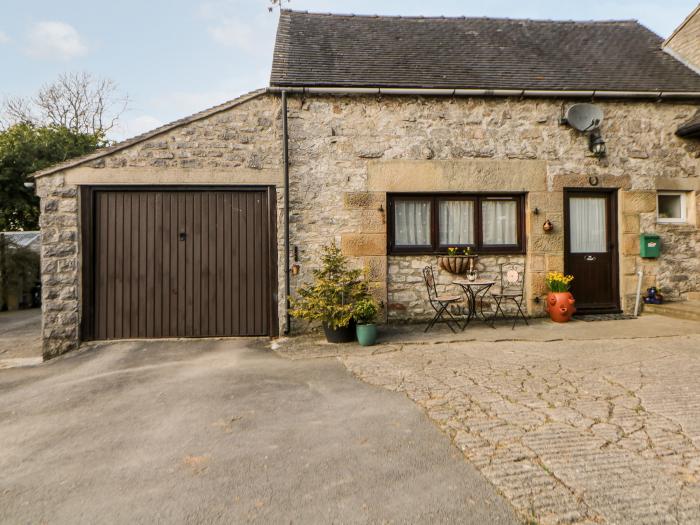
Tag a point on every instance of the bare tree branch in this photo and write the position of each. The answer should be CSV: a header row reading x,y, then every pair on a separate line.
x,y
77,101
17,110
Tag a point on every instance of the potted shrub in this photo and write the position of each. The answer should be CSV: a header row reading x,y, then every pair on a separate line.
x,y
458,261
560,302
331,297
365,314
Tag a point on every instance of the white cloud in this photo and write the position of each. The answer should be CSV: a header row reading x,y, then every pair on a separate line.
x,y
240,24
127,128
55,40
179,104
234,33
4,39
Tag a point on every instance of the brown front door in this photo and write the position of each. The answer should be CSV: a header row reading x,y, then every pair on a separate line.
x,y
590,255
180,263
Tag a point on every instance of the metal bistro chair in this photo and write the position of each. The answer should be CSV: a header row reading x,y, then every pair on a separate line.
x,y
440,303
512,285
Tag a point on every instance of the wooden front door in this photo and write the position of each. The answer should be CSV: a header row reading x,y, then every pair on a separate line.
x,y
590,254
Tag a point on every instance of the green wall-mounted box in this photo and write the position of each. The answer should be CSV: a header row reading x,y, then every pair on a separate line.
x,y
649,245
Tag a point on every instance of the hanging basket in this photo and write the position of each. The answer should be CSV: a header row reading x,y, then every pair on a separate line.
x,y
457,264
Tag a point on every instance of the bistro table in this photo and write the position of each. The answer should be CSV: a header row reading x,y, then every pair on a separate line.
x,y
475,290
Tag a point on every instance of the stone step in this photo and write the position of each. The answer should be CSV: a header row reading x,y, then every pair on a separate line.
x,y
689,310
692,296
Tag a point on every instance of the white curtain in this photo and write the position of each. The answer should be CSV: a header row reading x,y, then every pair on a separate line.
x,y
587,224
499,220
456,222
412,223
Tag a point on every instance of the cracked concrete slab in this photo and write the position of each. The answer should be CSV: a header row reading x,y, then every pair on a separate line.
x,y
600,430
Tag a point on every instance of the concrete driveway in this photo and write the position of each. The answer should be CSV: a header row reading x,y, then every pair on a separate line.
x,y
221,432
20,337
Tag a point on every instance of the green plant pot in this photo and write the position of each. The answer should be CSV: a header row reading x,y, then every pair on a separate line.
x,y
366,334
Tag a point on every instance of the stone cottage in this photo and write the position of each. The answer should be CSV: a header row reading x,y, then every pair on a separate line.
x,y
395,137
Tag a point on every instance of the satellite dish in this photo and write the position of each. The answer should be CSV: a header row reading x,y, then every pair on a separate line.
x,y
584,117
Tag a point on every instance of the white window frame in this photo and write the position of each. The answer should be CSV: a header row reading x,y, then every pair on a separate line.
x,y
684,208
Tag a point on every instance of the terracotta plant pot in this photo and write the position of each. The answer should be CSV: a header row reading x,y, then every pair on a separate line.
x,y
456,264
560,306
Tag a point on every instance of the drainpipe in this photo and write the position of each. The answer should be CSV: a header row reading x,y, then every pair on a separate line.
x,y
285,162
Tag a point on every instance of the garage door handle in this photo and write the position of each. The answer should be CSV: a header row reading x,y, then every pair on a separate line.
x,y
183,236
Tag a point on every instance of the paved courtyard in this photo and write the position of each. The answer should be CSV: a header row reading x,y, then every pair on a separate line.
x,y
599,427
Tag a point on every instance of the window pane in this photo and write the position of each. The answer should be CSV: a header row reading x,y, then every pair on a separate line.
x,y
499,222
587,224
670,207
456,222
411,223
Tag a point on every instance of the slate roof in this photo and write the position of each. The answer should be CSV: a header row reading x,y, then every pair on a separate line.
x,y
690,128
327,50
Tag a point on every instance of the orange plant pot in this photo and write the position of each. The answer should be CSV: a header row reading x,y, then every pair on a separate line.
x,y
560,306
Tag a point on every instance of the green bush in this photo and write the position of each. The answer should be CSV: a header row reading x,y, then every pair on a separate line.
x,y
332,296
24,149
366,310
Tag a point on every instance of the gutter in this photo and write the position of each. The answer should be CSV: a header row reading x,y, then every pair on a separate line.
x,y
449,92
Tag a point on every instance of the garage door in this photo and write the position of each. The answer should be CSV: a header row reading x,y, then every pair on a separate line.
x,y
180,263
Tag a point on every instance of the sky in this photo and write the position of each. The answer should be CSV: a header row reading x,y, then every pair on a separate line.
x,y
176,57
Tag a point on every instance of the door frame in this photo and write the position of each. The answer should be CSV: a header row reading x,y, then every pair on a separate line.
x,y
612,226
87,245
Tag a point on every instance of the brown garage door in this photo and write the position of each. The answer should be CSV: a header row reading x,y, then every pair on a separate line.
x,y
180,263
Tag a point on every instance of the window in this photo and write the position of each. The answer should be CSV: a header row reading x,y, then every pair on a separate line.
x,y
588,224
671,206
431,223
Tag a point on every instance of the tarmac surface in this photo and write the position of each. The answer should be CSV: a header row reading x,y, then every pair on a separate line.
x,y
223,431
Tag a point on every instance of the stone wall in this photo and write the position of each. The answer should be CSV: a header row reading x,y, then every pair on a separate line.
x,y
60,265
341,148
407,293
346,153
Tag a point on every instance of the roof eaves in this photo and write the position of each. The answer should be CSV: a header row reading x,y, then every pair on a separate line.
x,y
389,89
77,161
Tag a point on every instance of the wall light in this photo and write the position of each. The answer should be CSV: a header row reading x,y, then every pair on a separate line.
x,y
596,143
